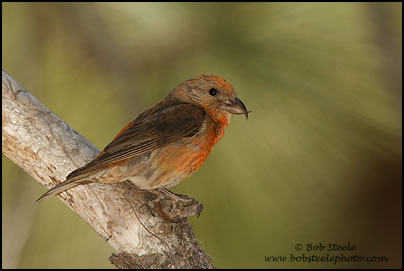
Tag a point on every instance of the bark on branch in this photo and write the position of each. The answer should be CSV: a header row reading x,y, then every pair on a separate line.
x,y
146,229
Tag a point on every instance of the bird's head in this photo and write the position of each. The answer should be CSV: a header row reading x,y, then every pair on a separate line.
x,y
214,94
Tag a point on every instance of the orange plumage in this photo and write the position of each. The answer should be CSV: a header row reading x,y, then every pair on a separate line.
x,y
167,143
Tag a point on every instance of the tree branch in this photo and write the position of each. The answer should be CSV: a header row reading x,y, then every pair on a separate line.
x,y
147,229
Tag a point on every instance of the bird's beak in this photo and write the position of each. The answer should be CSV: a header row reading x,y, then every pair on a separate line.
x,y
236,106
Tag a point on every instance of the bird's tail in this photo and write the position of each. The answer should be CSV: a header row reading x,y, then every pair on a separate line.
x,y
60,188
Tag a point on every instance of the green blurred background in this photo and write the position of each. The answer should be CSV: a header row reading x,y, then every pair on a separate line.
x,y
319,159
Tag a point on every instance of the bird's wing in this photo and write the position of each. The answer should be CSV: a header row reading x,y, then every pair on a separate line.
x,y
151,130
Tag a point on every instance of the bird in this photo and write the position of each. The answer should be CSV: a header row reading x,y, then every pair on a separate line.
x,y
167,143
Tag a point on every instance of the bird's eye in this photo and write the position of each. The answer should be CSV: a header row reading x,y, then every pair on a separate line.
x,y
212,91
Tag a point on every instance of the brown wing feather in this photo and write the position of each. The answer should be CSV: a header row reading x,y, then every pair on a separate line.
x,y
154,128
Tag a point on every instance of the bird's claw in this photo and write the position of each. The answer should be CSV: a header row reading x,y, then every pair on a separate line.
x,y
173,207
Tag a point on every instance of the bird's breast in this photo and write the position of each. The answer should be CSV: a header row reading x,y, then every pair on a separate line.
x,y
189,154
175,162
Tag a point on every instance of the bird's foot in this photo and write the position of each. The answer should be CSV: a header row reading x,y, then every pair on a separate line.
x,y
174,207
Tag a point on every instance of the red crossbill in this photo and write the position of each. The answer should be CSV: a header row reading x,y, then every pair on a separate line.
x,y
166,143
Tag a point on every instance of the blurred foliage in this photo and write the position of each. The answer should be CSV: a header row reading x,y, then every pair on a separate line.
x,y
319,159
